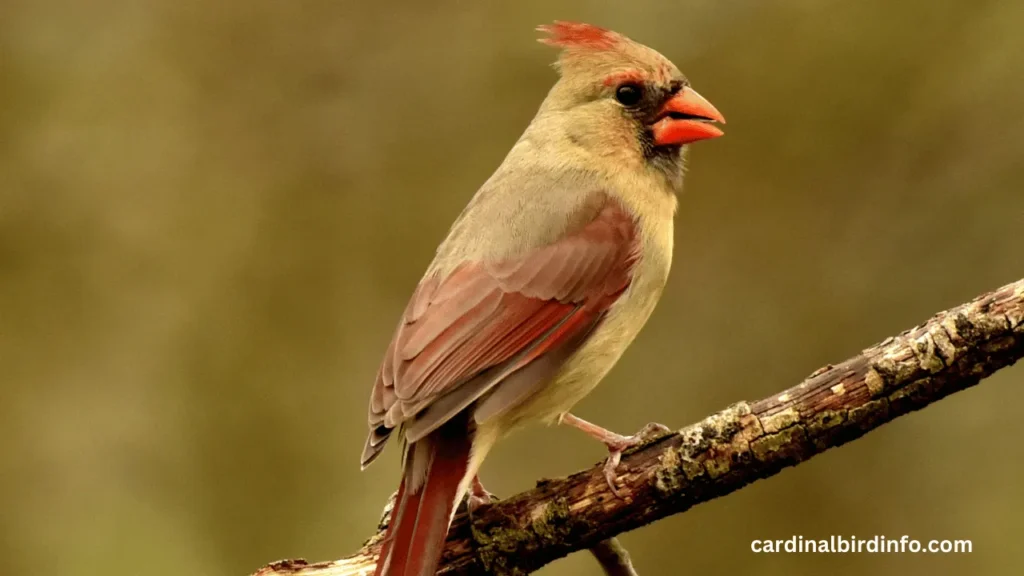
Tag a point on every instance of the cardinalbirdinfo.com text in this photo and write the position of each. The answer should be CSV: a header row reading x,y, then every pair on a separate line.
x,y
855,545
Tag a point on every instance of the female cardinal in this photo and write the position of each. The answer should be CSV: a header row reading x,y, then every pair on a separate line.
x,y
543,281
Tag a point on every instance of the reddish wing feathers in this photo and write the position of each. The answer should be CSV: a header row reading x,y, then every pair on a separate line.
x,y
485,314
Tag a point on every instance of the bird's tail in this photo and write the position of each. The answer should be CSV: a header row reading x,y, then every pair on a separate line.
x,y
432,484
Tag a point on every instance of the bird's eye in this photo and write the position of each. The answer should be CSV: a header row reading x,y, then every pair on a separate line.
x,y
629,94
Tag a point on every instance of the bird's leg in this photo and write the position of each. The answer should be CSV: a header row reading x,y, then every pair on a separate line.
x,y
616,443
477,495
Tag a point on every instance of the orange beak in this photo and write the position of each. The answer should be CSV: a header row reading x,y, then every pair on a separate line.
x,y
685,118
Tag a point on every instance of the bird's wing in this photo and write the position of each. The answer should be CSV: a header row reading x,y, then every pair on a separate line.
x,y
489,323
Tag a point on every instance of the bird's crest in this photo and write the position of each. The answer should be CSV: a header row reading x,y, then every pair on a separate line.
x,y
590,49
580,36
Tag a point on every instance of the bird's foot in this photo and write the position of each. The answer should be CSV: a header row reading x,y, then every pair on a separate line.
x,y
616,443
477,496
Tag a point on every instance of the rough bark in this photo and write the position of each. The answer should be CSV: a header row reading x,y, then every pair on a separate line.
x,y
952,351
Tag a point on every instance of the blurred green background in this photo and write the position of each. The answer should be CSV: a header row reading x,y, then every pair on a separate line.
x,y
211,215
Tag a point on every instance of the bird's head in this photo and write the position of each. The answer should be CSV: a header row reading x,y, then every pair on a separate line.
x,y
621,99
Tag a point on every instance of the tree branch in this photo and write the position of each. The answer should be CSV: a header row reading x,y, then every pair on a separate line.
x,y
613,558
952,351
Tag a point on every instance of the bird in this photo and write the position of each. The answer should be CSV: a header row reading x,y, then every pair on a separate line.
x,y
543,281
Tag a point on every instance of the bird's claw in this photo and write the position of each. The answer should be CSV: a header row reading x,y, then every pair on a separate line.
x,y
475,501
477,496
651,431
618,444
610,464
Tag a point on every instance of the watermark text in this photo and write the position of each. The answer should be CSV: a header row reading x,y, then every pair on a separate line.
x,y
854,545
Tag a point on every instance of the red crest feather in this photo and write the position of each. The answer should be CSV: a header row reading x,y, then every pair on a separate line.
x,y
578,35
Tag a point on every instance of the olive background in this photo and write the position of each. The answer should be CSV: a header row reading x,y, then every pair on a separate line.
x,y
212,214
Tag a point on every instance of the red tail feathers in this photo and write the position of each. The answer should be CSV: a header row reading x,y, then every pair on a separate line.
x,y
434,468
